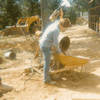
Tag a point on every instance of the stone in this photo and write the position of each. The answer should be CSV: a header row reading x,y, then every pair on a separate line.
x,y
6,87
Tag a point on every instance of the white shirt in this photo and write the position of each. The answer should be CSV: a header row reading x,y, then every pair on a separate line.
x,y
50,37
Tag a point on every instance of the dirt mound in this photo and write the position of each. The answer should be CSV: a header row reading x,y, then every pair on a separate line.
x,y
23,45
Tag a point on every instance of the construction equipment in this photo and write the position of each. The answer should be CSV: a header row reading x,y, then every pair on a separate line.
x,y
64,63
28,21
29,25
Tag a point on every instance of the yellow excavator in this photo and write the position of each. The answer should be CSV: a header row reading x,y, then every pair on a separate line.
x,y
27,25
28,21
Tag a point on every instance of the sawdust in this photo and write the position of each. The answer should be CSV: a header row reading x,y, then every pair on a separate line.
x,y
24,45
84,42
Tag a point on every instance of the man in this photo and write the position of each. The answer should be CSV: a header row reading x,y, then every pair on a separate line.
x,y
49,39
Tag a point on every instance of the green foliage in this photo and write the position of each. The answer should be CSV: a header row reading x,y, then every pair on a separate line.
x,y
1,22
33,7
76,6
53,6
11,13
70,13
81,5
14,9
2,5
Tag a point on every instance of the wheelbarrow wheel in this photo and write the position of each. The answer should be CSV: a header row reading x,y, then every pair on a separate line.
x,y
56,76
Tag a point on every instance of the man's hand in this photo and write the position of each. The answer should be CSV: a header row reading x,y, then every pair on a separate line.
x,y
61,54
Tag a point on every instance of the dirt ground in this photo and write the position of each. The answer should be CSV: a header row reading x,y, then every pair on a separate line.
x,y
84,42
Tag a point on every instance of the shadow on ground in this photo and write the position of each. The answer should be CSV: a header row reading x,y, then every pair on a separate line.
x,y
86,82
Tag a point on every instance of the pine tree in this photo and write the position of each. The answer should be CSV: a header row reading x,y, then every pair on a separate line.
x,y
12,12
34,8
2,5
81,5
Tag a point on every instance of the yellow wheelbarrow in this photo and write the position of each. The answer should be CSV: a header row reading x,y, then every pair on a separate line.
x,y
65,63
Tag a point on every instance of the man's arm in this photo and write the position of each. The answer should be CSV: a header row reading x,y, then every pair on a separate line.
x,y
55,38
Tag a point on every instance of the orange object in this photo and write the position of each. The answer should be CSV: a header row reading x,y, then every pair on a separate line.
x,y
70,60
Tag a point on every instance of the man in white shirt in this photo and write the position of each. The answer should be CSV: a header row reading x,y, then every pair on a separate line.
x,y
49,39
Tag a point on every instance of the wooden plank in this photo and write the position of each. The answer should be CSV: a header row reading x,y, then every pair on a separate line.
x,y
64,69
94,23
39,71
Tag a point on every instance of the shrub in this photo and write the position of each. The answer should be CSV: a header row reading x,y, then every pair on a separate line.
x,y
70,13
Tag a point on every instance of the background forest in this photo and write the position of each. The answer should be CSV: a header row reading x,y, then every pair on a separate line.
x,y
12,10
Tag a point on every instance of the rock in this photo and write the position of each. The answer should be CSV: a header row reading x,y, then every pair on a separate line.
x,y
38,33
10,55
6,87
84,23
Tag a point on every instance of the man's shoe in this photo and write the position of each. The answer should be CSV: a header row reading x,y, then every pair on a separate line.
x,y
51,83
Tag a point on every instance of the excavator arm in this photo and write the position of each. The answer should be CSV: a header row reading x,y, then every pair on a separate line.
x,y
35,20
29,20
22,20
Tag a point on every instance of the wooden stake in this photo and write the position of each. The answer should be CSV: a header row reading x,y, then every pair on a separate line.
x,y
22,32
